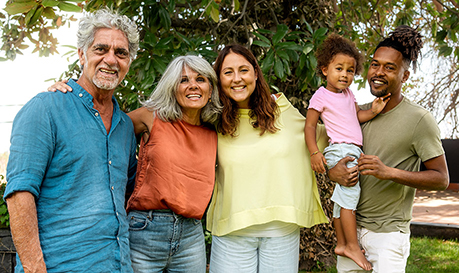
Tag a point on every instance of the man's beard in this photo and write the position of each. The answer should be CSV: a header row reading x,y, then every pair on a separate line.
x,y
104,83
378,94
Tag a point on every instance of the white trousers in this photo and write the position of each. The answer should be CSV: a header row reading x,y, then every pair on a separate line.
x,y
387,252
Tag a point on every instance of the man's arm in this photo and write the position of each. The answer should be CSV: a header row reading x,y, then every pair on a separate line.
x,y
24,229
435,177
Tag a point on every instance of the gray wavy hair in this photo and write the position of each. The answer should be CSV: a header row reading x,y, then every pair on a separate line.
x,y
163,103
105,18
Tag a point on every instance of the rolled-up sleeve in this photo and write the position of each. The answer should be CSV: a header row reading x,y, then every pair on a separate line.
x,y
31,149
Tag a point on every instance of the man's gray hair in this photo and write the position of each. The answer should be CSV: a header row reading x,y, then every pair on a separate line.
x,y
105,18
163,101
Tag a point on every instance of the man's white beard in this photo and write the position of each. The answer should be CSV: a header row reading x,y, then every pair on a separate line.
x,y
105,84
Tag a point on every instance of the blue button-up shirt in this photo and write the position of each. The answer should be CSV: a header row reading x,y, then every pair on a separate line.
x,y
61,153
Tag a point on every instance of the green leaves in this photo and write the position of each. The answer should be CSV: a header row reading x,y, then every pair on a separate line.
x,y
4,216
31,7
286,51
33,15
214,13
278,52
212,9
17,7
69,7
280,34
50,3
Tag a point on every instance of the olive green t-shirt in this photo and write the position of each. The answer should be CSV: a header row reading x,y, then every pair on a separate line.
x,y
402,138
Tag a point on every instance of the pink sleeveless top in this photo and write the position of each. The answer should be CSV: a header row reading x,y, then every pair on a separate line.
x,y
176,169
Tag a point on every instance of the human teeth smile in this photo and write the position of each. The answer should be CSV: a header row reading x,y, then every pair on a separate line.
x,y
107,71
238,87
193,96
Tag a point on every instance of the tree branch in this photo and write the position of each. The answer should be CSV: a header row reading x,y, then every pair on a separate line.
x,y
237,20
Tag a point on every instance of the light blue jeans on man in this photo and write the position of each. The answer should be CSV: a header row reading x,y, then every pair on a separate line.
x,y
162,241
242,254
344,197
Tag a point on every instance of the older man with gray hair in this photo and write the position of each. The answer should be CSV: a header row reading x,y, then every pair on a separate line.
x,y
71,158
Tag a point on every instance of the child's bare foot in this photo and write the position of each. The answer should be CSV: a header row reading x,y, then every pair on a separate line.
x,y
339,249
355,253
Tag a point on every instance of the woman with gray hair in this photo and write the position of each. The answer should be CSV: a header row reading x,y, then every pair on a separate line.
x,y
176,168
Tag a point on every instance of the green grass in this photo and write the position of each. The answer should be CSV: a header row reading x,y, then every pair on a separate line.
x,y
428,255
433,255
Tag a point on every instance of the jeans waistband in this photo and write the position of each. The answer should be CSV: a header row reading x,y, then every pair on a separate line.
x,y
159,212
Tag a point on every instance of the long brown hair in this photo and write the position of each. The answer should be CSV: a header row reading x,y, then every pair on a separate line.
x,y
263,109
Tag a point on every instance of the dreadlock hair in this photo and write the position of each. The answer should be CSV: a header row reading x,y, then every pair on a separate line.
x,y
332,46
407,41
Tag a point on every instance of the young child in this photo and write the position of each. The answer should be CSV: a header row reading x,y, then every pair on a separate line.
x,y
338,60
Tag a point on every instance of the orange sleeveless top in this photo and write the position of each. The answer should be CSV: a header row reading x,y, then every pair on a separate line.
x,y
176,169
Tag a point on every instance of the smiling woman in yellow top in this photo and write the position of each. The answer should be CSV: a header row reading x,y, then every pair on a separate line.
x,y
265,188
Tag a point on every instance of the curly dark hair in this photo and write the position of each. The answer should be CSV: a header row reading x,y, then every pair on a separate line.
x,y
333,45
263,109
407,41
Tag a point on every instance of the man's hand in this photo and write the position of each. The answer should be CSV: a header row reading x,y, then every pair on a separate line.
x,y
343,175
372,165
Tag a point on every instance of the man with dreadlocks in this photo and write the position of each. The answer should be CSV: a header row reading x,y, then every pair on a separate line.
x,y
395,143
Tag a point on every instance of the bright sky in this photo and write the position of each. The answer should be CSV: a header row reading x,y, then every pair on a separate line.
x,y
25,77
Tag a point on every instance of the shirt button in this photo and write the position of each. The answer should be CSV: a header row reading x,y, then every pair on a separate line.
x,y
117,238
113,188
96,114
116,213
81,95
110,162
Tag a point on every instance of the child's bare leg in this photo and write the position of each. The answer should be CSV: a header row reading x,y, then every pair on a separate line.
x,y
352,249
341,241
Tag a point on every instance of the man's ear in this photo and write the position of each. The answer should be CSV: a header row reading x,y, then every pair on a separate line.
x,y
406,75
81,56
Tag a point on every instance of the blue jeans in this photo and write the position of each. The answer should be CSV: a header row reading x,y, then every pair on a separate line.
x,y
162,241
242,254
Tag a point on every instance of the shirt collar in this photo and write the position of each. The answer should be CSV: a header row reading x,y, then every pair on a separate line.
x,y
80,92
87,99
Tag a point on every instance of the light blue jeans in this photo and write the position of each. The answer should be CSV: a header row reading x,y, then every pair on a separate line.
x,y
240,254
162,241
344,197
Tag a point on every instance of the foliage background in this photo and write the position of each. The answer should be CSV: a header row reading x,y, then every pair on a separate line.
x,y
283,34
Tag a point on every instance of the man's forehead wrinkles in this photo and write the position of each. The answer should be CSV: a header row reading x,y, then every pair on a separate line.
x,y
108,46
101,45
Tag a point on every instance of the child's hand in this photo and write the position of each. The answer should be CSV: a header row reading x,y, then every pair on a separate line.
x,y
318,162
379,103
